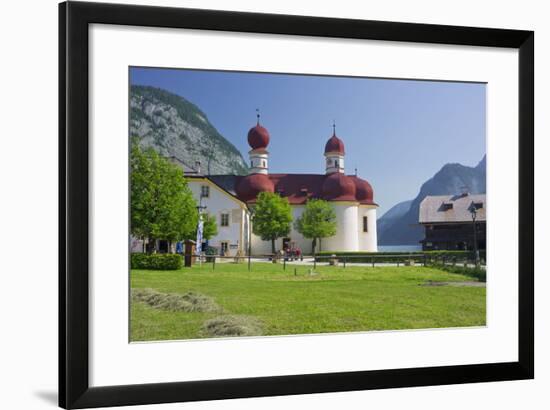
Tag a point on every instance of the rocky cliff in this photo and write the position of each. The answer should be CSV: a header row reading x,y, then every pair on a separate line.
x,y
175,127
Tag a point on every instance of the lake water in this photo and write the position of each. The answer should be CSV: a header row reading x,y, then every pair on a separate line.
x,y
400,248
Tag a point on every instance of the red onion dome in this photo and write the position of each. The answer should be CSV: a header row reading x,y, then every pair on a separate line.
x,y
338,187
258,137
363,190
335,144
250,186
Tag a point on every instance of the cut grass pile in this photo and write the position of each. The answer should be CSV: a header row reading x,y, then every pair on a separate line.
x,y
188,302
337,299
232,325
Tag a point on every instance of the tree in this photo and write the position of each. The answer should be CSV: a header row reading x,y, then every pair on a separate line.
x,y
161,204
272,217
209,228
318,221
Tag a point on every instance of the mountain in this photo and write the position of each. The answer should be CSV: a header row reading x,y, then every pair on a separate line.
x,y
175,127
404,229
394,213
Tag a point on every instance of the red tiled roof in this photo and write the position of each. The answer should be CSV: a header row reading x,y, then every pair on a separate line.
x,y
339,187
298,188
248,187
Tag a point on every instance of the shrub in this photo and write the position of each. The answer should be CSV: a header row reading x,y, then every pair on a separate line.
x,y
162,261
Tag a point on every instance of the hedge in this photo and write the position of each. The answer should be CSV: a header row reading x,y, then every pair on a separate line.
x,y
478,273
368,257
383,257
157,261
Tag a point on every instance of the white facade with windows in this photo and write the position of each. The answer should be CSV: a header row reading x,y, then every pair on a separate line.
x,y
230,215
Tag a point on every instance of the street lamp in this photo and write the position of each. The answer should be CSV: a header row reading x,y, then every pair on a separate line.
x,y
473,212
250,214
200,225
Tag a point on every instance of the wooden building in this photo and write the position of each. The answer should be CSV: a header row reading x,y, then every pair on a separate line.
x,y
449,224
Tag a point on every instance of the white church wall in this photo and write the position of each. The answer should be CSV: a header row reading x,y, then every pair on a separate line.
x,y
217,203
349,235
346,238
367,240
260,247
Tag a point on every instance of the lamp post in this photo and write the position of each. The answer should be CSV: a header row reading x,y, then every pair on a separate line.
x,y
473,212
251,213
200,208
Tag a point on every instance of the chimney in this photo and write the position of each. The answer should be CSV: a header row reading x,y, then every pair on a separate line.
x,y
198,167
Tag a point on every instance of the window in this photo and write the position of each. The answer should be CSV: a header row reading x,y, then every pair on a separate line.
x,y
336,164
224,248
263,164
225,220
205,191
365,224
478,205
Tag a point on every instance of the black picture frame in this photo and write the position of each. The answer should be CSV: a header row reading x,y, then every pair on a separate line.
x,y
74,388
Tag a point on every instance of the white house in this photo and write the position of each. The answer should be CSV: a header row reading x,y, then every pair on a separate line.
x,y
231,214
230,197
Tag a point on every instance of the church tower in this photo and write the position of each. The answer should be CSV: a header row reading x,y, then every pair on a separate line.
x,y
258,139
334,154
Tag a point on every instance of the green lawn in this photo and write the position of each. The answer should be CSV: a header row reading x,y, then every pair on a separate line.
x,y
337,300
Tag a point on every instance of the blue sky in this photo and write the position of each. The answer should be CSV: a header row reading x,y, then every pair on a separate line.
x,y
397,133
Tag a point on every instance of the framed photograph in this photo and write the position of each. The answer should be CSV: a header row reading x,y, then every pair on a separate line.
x,y
257,204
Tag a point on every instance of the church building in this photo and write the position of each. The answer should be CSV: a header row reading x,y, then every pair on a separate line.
x,y
230,198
